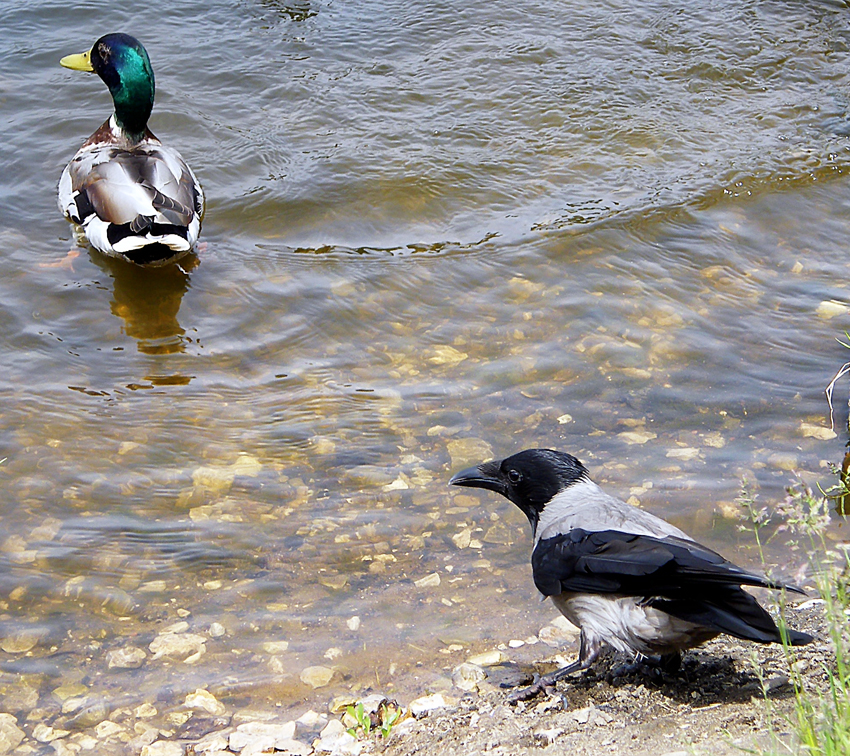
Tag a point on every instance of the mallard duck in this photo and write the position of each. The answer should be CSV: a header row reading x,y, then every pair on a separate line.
x,y
134,198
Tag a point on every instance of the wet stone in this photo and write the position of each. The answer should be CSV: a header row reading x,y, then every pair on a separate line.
x,y
188,647
558,633
162,748
10,734
487,659
820,432
468,451
90,712
203,699
508,675
369,476
212,743
275,647
71,690
429,581
466,676
20,643
316,677
129,657
108,729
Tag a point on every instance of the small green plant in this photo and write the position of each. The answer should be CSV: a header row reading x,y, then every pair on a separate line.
x,y
821,718
389,717
361,716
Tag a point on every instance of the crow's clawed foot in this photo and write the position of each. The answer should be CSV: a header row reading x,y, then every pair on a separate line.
x,y
546,683
525,694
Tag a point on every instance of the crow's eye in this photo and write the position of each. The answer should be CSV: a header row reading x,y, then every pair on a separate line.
x,y
514,476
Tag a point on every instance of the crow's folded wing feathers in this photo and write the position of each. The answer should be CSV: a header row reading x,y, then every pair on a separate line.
x,y
610,561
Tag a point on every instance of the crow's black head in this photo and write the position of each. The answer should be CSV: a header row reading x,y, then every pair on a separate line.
x,y
530,479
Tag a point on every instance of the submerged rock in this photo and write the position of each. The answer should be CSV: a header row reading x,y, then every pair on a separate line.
x,y
429,581
466,676
129,657
162,748
316,677
10,734
203,699
487,659
187,645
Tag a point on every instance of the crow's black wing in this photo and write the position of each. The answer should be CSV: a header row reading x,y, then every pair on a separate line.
x,y
610,561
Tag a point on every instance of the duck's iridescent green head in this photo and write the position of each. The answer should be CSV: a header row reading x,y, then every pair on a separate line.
x,y
123,64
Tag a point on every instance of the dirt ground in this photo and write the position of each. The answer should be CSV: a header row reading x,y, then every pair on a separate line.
x,y
714,704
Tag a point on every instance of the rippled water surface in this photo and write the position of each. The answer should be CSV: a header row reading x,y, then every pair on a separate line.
x,y
435,233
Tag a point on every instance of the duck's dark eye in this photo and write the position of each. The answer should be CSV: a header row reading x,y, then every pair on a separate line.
x,y
514,476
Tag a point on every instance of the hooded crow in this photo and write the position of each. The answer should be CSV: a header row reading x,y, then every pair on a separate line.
x,y
625,577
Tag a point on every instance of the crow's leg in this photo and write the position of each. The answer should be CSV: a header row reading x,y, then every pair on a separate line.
x,y
670,663
588,653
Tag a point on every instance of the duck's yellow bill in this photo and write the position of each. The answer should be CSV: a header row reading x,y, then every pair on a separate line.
x,y
79,61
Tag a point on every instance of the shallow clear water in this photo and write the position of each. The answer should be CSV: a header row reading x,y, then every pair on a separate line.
x,y
434,233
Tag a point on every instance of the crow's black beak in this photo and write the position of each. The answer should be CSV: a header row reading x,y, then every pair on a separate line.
x,y
487,475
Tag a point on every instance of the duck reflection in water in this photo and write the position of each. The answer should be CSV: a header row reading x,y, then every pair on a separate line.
x,y
148,301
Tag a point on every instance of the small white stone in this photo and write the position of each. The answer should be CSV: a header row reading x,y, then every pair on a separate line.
x,y
203,699
488,658
145,711
45,734
291,747
581,715
176,627
548,736
332,729
831,308
429,581
353,623
466,676
463,539
129,657
275,647
163,748
217,630
107,729
311,718
256,737
189,646
516,643
636,436
684,453
422,706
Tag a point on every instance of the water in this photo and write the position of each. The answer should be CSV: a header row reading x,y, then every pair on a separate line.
x,y
434,233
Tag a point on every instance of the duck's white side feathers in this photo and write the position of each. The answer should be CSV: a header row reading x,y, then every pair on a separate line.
x,y
128,196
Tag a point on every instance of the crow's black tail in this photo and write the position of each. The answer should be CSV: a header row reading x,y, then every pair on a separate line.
x,y
733,611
